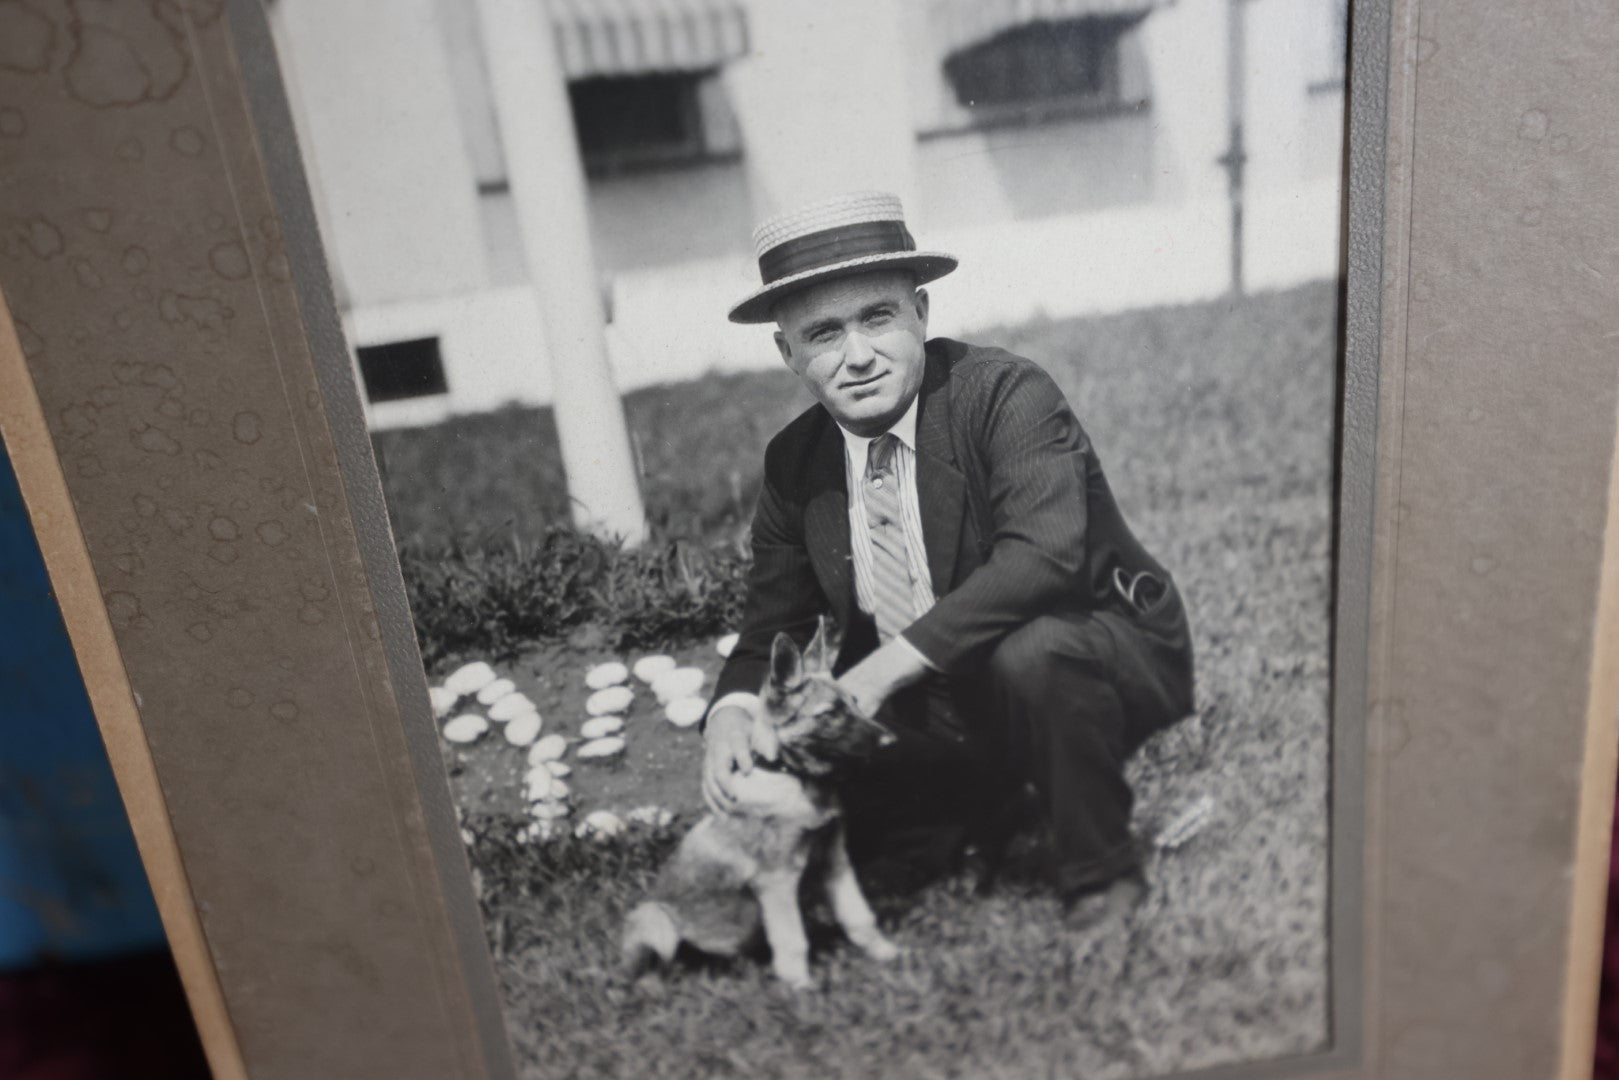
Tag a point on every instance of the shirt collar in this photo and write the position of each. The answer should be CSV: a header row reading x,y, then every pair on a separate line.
x,y
856,447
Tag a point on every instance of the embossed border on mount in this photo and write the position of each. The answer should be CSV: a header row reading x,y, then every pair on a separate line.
x,y
1472,443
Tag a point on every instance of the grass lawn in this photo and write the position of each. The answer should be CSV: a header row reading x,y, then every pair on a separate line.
x,y
1215,423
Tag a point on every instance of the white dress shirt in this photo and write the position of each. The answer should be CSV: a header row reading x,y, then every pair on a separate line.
x,y
855,451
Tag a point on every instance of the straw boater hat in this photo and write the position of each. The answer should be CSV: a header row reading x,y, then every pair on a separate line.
x,y
849,234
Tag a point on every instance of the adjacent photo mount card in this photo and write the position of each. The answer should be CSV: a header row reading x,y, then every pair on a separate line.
x,y
901,537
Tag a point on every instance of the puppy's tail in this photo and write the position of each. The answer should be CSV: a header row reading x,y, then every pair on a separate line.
x,y
650,935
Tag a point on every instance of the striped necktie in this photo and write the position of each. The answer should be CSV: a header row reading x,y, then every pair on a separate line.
x,y
892,599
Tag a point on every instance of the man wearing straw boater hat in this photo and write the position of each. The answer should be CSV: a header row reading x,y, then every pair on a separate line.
x,y
944,505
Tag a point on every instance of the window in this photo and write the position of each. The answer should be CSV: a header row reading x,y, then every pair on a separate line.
x,y
1040,68
625,122
402,369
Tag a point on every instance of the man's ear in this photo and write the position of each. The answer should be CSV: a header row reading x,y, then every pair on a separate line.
x,y
786,667
922,309
785,349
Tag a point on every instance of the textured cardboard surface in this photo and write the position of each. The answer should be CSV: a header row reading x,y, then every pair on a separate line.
x,y
176,323
144,261
1501,315
84,613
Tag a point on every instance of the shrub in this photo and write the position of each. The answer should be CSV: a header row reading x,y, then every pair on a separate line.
x,y
493,600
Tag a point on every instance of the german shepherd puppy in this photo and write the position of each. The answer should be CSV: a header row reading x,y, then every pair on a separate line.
x,y
739,871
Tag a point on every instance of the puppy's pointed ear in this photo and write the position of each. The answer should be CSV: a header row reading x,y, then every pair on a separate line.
x,y
823,649
786,667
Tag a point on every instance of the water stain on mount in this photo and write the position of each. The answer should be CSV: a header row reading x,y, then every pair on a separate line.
x,y
229,261
123,54
27,39
42,238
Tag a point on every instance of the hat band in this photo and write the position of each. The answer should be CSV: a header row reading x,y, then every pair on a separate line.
x,y
831,246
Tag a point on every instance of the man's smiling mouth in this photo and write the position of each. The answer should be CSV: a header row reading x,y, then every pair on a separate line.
x,y
863,382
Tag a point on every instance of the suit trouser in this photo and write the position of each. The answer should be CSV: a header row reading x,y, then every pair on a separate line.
x,y
1060,703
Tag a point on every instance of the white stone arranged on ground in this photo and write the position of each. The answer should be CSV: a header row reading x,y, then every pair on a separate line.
x,y
465,728
596,749
1186,824
686,711
512,706
546,793
678,683
537,783
495,691
550,748
467,837
602,676
523,730
443,701
613,699
648,668
600,825
655,816
725,644
598,727
470,678
558,768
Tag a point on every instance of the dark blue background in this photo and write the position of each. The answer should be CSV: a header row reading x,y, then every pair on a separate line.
x,y
71,882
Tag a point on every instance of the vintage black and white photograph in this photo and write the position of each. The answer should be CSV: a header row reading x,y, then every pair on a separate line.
x,y
863,474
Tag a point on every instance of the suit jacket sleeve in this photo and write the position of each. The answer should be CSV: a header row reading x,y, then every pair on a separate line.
x,y
783,594
1031,454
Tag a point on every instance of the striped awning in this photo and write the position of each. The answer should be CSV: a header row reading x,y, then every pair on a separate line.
x,y
961,23
642,37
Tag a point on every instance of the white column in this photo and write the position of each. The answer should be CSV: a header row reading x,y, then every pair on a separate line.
x,y
548,189
824,103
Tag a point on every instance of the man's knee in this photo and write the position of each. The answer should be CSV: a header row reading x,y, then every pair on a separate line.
x,y
1025,656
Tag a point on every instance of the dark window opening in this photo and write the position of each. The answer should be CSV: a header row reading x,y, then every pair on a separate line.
x,y
1040,68
402,369
626,122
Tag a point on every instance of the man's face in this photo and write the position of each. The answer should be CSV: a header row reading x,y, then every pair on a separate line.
x,y
857,342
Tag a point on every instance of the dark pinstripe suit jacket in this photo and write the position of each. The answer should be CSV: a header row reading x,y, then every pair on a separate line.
x,y
1017,518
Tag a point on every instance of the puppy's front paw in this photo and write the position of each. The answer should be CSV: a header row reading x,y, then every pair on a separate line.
x,y
880,948
650,984
799,981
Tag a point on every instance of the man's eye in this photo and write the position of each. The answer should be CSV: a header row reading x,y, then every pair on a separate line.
x,y
878,318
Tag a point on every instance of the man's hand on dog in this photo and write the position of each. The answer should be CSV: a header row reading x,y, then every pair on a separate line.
x,y
735,738
880,675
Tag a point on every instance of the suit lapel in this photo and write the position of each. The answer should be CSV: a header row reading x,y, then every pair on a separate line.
x,y
941,488
826,521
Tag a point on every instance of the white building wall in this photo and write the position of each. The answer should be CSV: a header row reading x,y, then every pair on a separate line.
x,y
1295,120
822,105
472,95
378,116
1082,216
